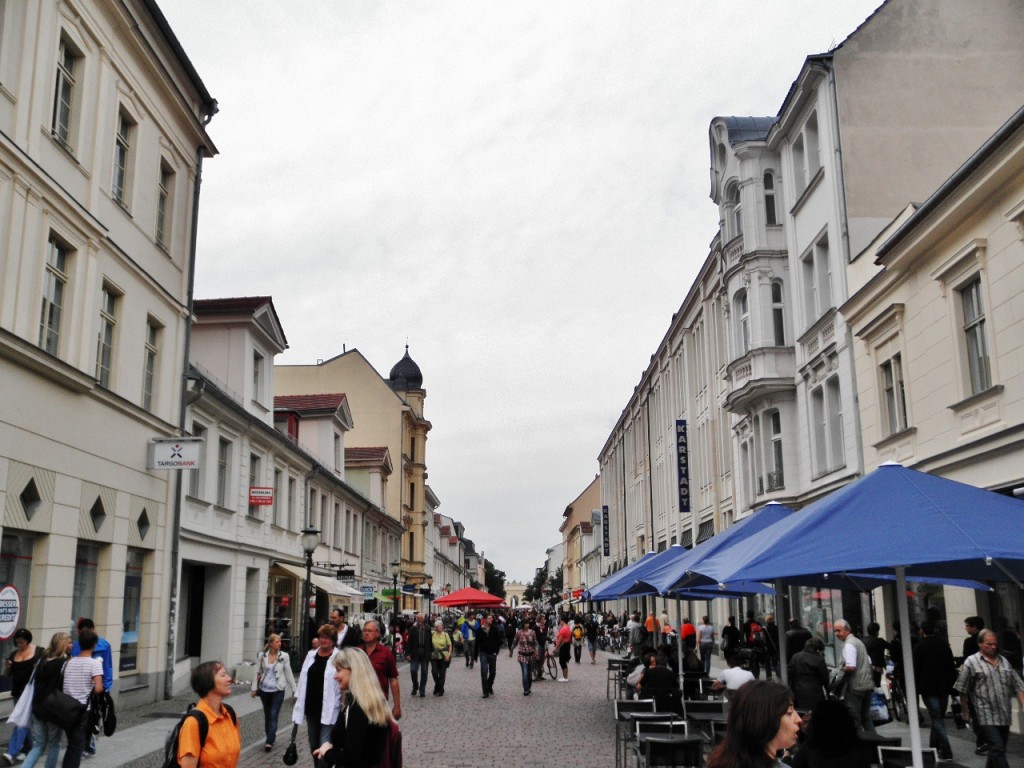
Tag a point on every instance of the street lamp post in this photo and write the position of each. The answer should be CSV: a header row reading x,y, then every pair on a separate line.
x,y
396,568
310,539
430,586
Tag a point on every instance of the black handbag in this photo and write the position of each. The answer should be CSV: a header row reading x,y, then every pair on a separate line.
x,y
291,754
58,708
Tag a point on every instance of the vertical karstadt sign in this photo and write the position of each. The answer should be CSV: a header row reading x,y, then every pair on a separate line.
x,y
683,465
604,531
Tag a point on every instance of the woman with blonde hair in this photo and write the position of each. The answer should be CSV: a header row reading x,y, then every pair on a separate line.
x,y
46,736
273,676
360,734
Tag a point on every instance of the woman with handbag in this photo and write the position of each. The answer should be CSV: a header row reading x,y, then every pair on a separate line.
x,y
360,734
20,667
273,676
440,656
46,736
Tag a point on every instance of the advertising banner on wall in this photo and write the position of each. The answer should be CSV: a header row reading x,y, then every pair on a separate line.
x,y
683,466
606,537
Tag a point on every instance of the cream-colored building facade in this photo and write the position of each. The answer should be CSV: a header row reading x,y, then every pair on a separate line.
x,y
938,315
759,361
386,413
578,539
102,137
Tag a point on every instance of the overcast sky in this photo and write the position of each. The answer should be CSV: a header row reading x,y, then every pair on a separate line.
x,y
518,190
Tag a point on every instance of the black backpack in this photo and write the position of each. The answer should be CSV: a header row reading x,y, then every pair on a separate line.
x,y
171,742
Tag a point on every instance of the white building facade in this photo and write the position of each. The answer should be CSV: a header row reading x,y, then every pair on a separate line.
x,y
102,136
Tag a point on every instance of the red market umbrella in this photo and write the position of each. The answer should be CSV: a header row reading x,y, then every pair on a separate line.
x,y
469,596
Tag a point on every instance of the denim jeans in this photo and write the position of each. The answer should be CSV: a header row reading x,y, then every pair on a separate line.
x,y
527,668
996,736
418,670
488,668
21,738
317,733
936,706
705,656
45,738
271,701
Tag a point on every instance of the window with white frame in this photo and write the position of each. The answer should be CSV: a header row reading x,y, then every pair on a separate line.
x,y
278,496
778,314
150,358
736,211
771,218
338,467
258,373
806,154
55,284
339,527
743,318
292,501
105,335
827,426
976,343
254,482
164,204
312,510
775,476
893,394
65,96
817,280
223,470
197,475
124,156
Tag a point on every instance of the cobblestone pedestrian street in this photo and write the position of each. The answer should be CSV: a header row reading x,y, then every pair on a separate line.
x,y
559,725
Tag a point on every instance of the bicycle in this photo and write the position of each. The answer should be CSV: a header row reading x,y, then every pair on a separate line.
x,y
547,662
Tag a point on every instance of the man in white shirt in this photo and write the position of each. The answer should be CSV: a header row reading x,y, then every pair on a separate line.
x,y
733,678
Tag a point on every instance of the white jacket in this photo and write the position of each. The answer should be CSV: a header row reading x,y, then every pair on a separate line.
x,y
332,693
282,671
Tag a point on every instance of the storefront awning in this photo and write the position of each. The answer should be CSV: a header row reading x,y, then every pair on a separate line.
x,y
332,587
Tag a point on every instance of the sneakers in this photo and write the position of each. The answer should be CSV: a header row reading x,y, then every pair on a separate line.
x,y
563,679
8,760
982,750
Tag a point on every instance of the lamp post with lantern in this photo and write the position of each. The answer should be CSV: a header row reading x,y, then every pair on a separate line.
x,y
430,587
396,569
310,540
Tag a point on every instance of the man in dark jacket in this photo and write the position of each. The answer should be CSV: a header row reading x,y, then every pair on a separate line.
x,y
935,673
808,675
488,646
796,638
417,650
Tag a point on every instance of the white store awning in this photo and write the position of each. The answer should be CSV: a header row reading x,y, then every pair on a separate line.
x,y
332,587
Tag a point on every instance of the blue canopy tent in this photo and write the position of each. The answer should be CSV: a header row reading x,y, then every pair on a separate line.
x,y
667,575
892,521
607,589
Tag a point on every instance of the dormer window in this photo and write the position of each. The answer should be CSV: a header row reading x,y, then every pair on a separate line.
x,y
258,375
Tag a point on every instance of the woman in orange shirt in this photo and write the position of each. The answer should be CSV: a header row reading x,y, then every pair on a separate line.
x,y
223,745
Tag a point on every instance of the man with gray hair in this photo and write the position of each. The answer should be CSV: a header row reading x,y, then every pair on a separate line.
x,y
859,682
987,684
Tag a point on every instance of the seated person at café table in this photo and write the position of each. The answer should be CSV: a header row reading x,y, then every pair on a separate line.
x,y
732,678
657,680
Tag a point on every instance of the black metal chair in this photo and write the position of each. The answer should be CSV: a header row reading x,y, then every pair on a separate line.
x,y
614,675
621,707
903,757
672,752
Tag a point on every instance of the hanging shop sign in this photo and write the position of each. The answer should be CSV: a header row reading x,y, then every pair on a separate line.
x,y
605,536
173,452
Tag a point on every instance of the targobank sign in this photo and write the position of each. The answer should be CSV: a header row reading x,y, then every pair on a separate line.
x,y
174,453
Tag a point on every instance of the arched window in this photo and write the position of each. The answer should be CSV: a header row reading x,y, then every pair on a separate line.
x,y
737,211
743,313
778,314
770,217
773,454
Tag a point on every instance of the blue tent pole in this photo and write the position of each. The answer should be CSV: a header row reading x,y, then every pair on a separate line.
x,y
908,667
